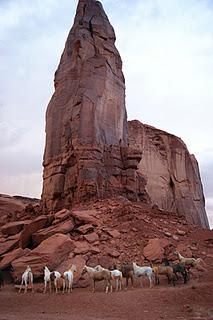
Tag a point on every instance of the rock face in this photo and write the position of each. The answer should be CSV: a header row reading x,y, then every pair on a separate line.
x,y
87,154
172,174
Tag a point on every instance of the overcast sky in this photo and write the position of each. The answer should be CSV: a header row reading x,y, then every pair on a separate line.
x,y
167,52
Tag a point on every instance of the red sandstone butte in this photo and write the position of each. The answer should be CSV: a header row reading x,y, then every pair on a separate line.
x,y
172,173
86,153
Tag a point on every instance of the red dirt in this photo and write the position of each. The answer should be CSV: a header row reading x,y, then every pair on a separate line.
x,y
191,301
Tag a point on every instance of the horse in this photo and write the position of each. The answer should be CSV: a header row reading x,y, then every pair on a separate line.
x,y
143,271
49,277
1,279
126,269
116,275
164,270
178,269
190,262
98,275
68,279
27,276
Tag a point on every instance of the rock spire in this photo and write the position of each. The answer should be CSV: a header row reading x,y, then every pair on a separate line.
x,y
86,153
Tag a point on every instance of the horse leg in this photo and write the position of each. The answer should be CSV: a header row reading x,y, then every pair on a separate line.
x,y
25,285
45,286
141,282
70,286
132,281
156,279
127,282
22,281
93,286
50,285
31,280
107,286
110,286
55,284
116,284
120,284
150,281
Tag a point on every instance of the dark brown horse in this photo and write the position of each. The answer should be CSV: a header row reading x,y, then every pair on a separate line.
x,y
127,271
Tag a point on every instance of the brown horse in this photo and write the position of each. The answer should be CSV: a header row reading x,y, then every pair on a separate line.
x,y
164,270
127,271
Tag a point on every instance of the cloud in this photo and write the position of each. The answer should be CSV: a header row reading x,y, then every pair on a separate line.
x,y
22,184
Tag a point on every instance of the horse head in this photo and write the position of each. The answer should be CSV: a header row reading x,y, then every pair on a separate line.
x,y
46,270
74,268
84,270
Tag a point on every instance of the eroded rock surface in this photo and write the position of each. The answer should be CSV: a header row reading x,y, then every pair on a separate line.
x,y
172,174
87,154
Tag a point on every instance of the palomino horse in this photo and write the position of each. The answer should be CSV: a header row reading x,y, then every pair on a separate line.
x,y
191,262
51,276
100,275
143,271
27,276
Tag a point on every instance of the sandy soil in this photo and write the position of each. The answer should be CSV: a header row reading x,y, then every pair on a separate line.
x,y
193,301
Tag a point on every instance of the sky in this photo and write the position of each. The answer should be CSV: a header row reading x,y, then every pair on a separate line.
x,y
167,52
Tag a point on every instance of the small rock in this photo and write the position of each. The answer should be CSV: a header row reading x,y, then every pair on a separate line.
x,y
180,232
114,233
113,253
91,237
176,238
167,234
86,228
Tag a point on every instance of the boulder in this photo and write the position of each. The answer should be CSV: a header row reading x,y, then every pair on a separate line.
x,y
155,249
51,252
80,262
81,247
113,233
85,216
41,235
85,228
61,215
8,246
91,237
29,229
12,228
11,256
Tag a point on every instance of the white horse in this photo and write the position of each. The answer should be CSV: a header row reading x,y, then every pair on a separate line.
x,y
49,277
143,271
116,275
99,275
68,279
27,276
118,278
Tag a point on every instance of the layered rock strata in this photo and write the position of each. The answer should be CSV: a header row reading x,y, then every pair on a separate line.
x,y
172,174
87,154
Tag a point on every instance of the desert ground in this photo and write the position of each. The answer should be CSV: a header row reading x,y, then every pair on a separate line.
x,y
193,301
